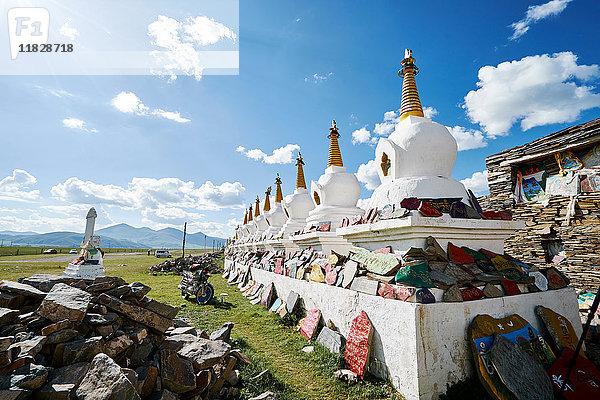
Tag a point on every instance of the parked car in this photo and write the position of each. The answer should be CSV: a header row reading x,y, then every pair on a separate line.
x,y
73,251
162,253
50,251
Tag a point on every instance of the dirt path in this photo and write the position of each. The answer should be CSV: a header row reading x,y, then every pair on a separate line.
x,y
66,258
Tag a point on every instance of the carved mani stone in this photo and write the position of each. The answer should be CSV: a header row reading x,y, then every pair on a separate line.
x,y
358,344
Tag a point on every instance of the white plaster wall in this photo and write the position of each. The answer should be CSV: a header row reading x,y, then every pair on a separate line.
x,y
420,348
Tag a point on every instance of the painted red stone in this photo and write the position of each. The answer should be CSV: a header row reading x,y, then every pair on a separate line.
x,y
511,288
358,344
384,250
490,215
410,203
324,227
489,254
458,255
505,215
386,291
584,380
428,211
331,275
403,292
471,293
310,323
356,220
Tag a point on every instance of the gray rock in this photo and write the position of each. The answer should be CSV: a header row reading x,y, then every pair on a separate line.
x,y
77,351
223,333
331,340
5,342
442,278
105,381
492,291
21,289
44,282
57,326
30,347
292,302
182,331
138,314
62,336
14,394
141,353
28,377
98,319
164,309
346,375
265,396
177,374
62,382
117,345
65,302
139,290
234,377
204,353
452,295
7,316
131,375
146,380
176,342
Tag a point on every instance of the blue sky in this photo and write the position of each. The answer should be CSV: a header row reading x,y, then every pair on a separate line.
x,y
156,151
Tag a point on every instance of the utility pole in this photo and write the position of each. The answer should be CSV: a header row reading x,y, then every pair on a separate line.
x,y
205,243
183,246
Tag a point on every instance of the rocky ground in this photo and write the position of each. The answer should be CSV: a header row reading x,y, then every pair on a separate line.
x,y
180,264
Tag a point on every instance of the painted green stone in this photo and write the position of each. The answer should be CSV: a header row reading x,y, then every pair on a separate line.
x,y
378,263
416,275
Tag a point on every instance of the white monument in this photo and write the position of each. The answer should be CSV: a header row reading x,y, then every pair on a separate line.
x,y
89,263
276,217
259,219
296,205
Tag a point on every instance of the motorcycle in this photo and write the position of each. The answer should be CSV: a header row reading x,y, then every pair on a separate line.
x,y
195,283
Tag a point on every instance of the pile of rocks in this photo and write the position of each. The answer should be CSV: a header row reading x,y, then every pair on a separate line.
x,y
178,265
63,338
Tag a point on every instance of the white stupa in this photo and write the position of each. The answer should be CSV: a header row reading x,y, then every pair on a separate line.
x,y
250,226
417,159
88,264
336,192
276,217
259,219
297,205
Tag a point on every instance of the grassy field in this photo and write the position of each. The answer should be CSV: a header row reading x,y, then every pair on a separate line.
x,y
271,343
26,250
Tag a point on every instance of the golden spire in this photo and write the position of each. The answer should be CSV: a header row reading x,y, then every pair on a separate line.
x,y
410,105
335,157
300,183
250,214
278,192
257,207
267,206
245,217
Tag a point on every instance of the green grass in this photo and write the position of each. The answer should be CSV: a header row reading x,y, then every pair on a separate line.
x,y
27,250
265,338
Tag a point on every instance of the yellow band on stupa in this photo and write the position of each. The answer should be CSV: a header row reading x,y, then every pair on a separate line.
x,y
335,156
410,104
300,182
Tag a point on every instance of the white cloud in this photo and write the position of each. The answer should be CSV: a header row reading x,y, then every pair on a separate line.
x,y
151,193
363,203
430,112
71,209
478,182
182,41
316,78
537,13
68,31
467,139
59,93
169,215
367,174
282,155
75,123
363,135
298,19
16,187
130,103
537,90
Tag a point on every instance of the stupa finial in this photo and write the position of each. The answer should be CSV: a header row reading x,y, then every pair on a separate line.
x,y
410,104
278,192
335,157
267,206
257,207
300,182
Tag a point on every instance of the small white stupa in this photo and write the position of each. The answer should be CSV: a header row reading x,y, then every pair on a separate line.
x,y
276,217
296,205
417,159
89,263
336,192
259,220
250,227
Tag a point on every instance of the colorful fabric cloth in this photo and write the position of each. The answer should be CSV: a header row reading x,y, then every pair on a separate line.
x,y
567,162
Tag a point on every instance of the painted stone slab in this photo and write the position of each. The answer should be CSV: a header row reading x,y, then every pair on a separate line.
x,y
340,277
403,292
331,340
442,279
434,248
583,382
358,344
386,291
492,291
379,263
505,215
386,211
474,202
425,296
438,265
410,203
452,295
522,375
399,213
282,311
267,295
278,269
510,288
310,323
556,280
455,271
356,220
490,215
428,211
292,302
458,255
349,272
472,293
508,268
316,273
458,210
384,250
333,259
293,269
416,275
275,306
540,280
324,226
514,328
365,285
331,276
442,204
476,255
560,329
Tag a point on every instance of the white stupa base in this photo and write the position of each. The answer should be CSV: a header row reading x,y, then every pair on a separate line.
x,y
273,232
85,271
324,242
424,187
289,246
332,214
292,226
273,245
412,231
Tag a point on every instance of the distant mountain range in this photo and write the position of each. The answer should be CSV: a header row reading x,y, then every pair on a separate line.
x,y
117,236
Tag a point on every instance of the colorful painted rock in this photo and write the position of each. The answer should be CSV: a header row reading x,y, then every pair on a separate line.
x,y
324,227
378,263
386,291
267,296
275,306
403,292
560,329
522,376
350,269
300,273
416,275
474,202
459,255
442,204
425,296
458,273
452,295
510,287
458,210
386,211
356,220
428,211
316,273
556,280
331,276
365,285
440,278
358,344
583,382
410,203
505,215
310,323
292,302
333,259
471,293
345,222
490,215
384,250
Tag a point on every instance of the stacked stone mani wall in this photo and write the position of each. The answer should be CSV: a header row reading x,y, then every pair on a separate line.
x,y
581,237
